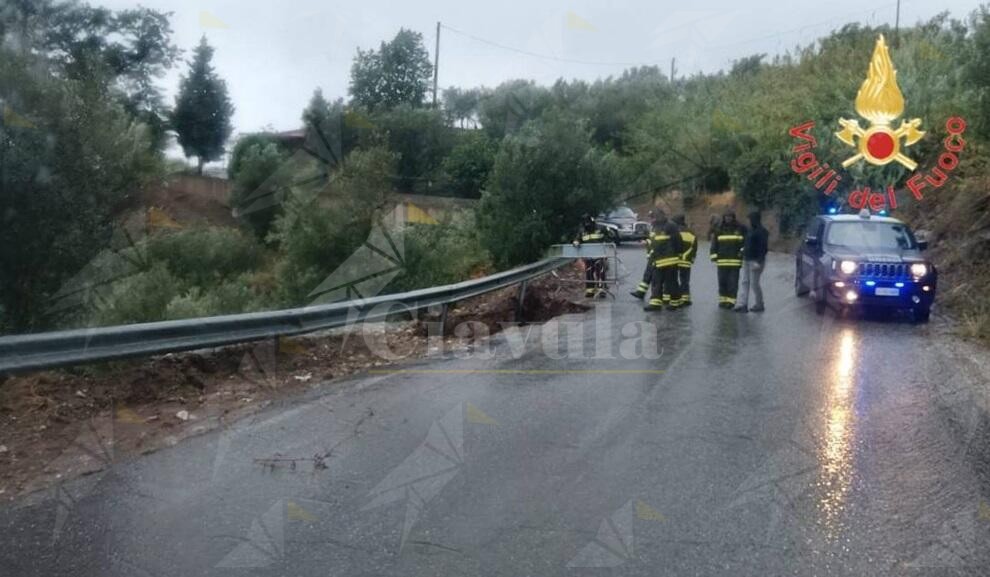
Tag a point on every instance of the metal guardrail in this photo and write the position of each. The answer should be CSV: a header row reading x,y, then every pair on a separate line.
x,y
20,353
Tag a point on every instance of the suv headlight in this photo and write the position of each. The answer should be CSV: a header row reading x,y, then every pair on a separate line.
x,y
919,269
848,267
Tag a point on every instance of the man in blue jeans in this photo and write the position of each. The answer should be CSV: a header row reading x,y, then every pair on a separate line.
x,y
754,262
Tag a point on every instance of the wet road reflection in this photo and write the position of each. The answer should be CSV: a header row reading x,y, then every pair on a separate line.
x,y
784,444
836,446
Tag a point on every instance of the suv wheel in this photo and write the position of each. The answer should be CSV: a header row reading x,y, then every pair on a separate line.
x,y
799,289
820,303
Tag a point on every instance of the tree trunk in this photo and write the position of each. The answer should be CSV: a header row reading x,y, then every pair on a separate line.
x,y
199,169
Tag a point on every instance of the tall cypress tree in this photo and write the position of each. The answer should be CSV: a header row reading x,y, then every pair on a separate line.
x,y
202,109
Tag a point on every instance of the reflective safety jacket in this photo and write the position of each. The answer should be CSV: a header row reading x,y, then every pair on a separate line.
x,y
666,246
690,248
727,246
592,236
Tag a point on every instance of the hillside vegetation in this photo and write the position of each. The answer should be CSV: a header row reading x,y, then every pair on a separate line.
x,y
537,158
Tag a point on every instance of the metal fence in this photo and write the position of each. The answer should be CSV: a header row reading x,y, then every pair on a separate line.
x,y
20,353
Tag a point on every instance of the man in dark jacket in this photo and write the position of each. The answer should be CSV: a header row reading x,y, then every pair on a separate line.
x,y
754,262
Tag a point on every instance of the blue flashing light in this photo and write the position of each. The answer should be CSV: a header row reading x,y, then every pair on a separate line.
x,y
871,283
882,213
833,210
899,285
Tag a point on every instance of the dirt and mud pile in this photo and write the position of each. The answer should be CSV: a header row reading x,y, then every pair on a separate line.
x,y
55,425
958,227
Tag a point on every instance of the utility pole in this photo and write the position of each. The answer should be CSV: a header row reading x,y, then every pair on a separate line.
x,y
436,66
3,146
897,26
673,62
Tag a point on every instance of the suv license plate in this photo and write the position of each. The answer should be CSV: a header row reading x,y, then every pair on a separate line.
x,y
888,292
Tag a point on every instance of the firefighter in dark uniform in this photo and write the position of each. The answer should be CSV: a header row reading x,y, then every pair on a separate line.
x,y
690,251
644,285
727,253
665,253
594,268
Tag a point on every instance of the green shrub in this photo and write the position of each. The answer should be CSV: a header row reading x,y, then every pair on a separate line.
x,y
440,254
418,138
545,178
190,273
203,257
263,171
320,229
227,298
241,148
73,157
139,298
464,172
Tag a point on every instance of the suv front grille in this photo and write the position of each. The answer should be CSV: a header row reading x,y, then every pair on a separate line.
x,y
883,270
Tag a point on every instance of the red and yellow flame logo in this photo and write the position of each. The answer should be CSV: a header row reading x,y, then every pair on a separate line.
x,y
881,103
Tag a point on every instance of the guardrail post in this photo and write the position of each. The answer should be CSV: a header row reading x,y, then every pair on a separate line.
x,y
443,319
522,298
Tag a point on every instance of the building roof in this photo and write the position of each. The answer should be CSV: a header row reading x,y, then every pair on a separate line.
x,y
298,134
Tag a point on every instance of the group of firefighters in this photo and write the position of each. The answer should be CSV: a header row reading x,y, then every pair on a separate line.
x,y
671,250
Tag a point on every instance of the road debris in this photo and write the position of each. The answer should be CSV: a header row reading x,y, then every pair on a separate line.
x,y
272,463
41,412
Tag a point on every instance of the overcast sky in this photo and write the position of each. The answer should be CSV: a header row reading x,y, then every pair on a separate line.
x,y
274,54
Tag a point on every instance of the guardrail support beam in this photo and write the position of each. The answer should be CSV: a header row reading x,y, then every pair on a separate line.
x,y
522,298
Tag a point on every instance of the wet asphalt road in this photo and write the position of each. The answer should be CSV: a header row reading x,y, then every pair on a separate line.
x,y
775,444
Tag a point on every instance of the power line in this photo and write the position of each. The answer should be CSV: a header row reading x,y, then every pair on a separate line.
x,y
775,35
436,66
778,35
543,56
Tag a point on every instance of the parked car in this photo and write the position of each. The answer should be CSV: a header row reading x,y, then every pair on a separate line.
x,y
865,261
622,224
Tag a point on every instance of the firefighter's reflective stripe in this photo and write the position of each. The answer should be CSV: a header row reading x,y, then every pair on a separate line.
x,y
690,250
664,253
730,300
593,237
727,248
656,302
642,287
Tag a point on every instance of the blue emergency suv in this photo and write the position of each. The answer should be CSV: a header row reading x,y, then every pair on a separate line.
x,y
861,261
